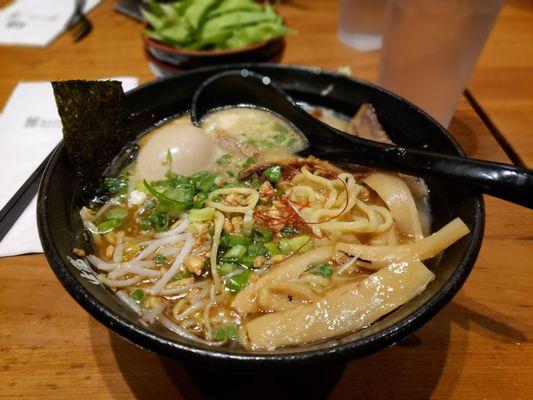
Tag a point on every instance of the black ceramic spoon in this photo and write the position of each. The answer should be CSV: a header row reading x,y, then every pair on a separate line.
x,y
238,88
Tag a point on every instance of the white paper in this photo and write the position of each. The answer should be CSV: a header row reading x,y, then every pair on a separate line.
x,y
30,128
36,22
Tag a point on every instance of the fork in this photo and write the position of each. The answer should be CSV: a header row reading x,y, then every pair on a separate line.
x,y
78,24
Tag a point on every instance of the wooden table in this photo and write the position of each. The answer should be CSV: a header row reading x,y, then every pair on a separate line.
x,y
478,347
503,82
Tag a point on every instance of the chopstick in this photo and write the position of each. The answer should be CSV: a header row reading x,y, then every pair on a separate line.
x,y
20,200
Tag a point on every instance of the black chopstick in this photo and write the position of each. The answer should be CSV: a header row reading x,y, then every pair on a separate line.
x,y
20,200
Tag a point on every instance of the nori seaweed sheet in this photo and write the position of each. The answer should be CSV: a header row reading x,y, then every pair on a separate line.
x,y
95,126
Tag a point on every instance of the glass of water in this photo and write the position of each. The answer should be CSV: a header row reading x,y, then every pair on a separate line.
x,y
361,23
430,49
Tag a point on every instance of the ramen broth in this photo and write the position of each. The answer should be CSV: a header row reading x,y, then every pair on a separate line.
x,y
223,236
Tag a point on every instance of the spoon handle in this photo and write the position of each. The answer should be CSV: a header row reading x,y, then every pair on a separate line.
x,y
496,179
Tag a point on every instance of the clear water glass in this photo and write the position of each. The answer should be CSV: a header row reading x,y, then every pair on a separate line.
x,y
361,23
430,48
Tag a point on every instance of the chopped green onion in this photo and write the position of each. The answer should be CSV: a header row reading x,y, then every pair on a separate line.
x,y
279,138
146,224
237,282
257,250
300,243
202,214
234,240
236,252
225,159
225,268
284,246
272,248
180,195
199,200
137,295
109,225
160,259
169,160
261,235
323,269
181,275
117,213
277,127
116,185
167,202
159,220
291,142
229,332
204,182
150,203
139,185
248,261
289,231
227,260
273,174
249,161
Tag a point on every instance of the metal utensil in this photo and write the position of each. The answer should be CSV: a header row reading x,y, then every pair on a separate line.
x,y
78,24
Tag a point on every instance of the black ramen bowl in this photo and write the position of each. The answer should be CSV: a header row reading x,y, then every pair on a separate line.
x,y
61,229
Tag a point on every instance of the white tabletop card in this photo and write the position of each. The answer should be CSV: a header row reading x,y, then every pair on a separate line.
x,y
36,22
30,128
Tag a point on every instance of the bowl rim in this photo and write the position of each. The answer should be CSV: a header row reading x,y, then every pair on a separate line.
x,y
206,53
214,356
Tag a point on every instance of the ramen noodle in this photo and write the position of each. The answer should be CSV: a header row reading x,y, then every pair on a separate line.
x,y
225,237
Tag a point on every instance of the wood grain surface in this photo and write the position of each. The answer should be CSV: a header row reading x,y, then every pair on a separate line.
x,y
503,81
477,347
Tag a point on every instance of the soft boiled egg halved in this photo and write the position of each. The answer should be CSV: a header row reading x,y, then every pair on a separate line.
x,y
191,149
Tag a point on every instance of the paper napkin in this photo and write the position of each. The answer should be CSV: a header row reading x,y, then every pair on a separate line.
x,y
30,128
36,22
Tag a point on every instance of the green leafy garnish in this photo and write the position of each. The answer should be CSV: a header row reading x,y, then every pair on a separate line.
x,y
116,213
225,268
169,159
301,243
236,252
109,225
261,235
203,214
178,192
181,275
249,161
272,248
116,185
168,201
321,269
228,332
284,246
158,220
228,240
247,261
255,250
237,282
280,128
212,24
273,174
225,159
137,295
291,142
160,259
289,231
